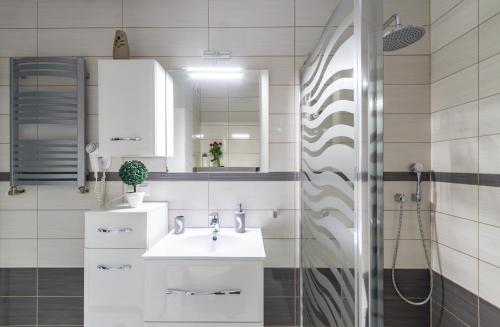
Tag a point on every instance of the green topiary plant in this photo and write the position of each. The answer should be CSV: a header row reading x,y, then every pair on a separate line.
x,y
133,173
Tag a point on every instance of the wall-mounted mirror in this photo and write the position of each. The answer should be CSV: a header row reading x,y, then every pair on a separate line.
x,y
221,121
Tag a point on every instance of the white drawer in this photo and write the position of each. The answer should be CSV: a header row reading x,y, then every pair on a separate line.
x,y
205,277
114,287
131,228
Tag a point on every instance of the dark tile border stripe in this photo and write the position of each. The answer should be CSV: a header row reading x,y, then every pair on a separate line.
x,y
457,178
236,177
396,176
445,177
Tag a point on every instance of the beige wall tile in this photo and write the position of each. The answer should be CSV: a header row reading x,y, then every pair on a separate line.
x,y
458,200
17,42
455,56
454,23
61,224
406,128
456,89
440,7
18,224
406,69
4,157
76,42
236,13
410,11
91,13
306,38
281,157
399,99
407,188
488,8
399,156
4,100
488,37
313,12
160,13
18,14
409,228
456,122
254,41
489,70
410,254
489,243
489,115
489,283
489,154
456,233
457,156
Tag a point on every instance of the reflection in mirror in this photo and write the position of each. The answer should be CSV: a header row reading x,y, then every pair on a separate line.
x,y
219,124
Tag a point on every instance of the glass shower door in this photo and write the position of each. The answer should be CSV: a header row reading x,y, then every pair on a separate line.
x,y
341,248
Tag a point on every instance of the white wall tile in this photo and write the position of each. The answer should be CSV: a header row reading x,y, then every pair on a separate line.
x,y
214,104
456,122
18,223
161,13
456,266
455,89
454,23
399,156
313,12
53,253
4,157
4,71
456,199
17,42
457,233
407,128
280,253
410,254
281,128
455,56
4,100
488,8
488,36
489,155
24,201
90,13
281,99
18,253
489,70
253,195
192,218
409,228
281,227
4,129
180,195
489,205
306,38
236,13
410,11
281,157
76,42
489,243
406,69
254,41
489,115
489,283
407,99
18,14
457,156
61,223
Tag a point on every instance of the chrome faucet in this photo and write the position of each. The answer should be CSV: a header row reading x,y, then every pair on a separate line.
x,y
215,224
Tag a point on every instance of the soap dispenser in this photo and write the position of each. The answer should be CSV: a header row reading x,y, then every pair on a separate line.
x,y
239,220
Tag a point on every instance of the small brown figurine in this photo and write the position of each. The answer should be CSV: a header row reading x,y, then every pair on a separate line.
x,y
120,46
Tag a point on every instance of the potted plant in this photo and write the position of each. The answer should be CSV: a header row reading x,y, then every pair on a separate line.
x,y
133,173
216,152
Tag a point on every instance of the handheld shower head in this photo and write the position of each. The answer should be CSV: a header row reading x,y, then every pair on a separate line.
x,y
417,168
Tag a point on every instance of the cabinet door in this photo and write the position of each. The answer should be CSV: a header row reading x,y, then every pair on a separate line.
x,y
114,282
127,107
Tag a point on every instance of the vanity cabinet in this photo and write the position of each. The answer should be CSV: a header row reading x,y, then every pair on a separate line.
x,y
115,241
135,108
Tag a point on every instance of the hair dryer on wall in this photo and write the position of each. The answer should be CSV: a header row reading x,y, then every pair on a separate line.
x,y
98,163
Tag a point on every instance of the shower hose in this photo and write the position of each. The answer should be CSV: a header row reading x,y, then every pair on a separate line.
x,y
395,255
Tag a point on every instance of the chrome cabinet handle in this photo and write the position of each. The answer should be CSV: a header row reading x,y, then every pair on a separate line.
x,y
117,230
114,268
172,291
132,139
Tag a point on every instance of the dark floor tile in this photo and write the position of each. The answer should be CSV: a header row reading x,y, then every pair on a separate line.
x,y
279,311
413,283
60,282
489,315
279,282
17,282
17,311
455,299
60,310
443,318
398,313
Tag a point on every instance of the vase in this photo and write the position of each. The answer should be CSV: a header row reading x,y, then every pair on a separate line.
x,y
135,199
216,162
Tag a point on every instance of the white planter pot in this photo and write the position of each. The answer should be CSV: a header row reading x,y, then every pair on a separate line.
x,y
135,199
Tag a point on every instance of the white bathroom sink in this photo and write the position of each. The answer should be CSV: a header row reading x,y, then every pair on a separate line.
x,y
197,244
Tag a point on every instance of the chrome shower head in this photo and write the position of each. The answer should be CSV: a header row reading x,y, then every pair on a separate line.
x,y
402,35
417,168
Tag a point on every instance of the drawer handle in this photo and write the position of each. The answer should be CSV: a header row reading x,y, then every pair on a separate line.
x,y
116,230
114,268
131,139
172,291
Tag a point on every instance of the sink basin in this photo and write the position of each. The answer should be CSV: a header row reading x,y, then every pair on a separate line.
x,y
197,244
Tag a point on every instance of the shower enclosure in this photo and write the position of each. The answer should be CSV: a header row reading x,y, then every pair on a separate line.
x,y
341,171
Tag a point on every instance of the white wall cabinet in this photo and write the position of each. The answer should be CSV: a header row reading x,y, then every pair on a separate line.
x,y
135,108
115,241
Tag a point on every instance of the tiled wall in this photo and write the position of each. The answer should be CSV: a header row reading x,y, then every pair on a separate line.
x,y
465,105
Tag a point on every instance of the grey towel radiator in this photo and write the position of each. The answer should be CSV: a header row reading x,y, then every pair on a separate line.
x,y
37,161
